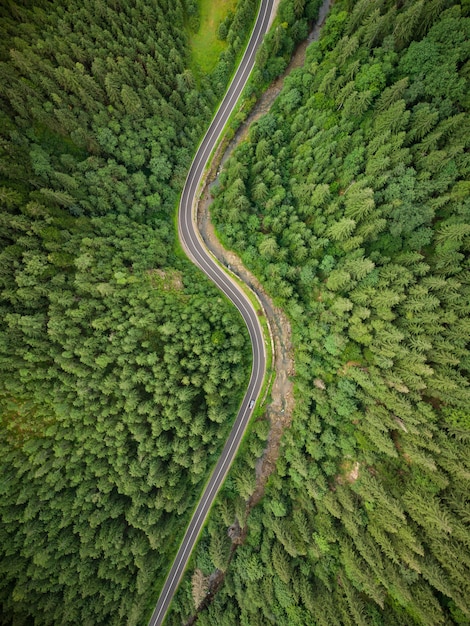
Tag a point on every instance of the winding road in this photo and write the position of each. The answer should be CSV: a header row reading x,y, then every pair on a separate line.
x,y
197,252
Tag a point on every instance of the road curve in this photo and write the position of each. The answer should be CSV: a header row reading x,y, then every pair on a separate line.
x,y
195,249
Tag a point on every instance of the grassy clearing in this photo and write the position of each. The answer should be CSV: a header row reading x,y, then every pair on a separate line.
x,y
205,45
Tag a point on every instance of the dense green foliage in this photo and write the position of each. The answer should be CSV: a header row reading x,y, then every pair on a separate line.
x,y
233,31
350,200
290,27
121,366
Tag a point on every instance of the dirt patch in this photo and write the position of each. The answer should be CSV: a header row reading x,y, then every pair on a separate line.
x,y
354,473
349,473
168,280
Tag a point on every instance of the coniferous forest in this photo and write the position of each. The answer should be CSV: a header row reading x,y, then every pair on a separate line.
x,y
350,201
122,367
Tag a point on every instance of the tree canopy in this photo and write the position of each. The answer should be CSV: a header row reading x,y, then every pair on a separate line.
x,y
352,207
122,367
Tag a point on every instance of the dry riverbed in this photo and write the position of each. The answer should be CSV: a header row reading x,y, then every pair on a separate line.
x,y
280,408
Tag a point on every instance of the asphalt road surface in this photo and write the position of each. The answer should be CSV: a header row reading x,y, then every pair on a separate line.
x,y
193,246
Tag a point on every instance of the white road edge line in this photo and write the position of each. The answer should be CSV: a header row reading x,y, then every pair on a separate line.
x,y
208,266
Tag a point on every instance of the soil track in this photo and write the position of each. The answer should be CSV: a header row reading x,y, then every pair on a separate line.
x,y
279,411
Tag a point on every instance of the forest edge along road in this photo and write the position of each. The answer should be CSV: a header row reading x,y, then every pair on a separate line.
x,y
192,244
195,249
